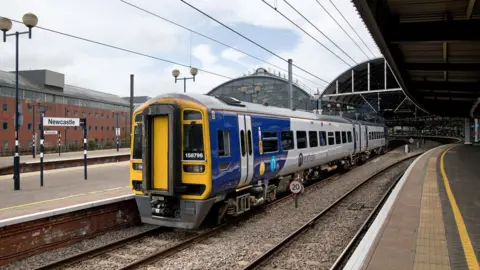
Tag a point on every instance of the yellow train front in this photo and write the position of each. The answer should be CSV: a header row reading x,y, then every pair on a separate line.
x,y
170,165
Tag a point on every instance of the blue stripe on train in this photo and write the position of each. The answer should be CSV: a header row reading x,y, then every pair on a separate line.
x,y
226,170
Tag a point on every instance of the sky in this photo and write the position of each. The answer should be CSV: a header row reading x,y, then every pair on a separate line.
x,y
116,23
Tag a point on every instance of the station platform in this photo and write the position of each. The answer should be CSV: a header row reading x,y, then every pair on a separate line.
x,y
8,161
431,219
62,188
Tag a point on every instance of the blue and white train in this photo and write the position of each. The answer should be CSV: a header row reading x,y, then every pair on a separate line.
x,y
196,154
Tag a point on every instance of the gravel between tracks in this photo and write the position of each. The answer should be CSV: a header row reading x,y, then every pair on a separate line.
x,y
237,246
319,246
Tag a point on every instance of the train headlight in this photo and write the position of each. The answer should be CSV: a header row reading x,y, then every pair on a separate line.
x,y
194,168
138,166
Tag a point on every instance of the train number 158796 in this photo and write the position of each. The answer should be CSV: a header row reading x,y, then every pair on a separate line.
x,y
193,155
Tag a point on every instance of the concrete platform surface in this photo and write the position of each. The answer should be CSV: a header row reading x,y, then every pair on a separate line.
x,y
62,187
429,220
8,161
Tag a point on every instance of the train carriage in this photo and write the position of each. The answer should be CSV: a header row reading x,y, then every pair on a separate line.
x,y
197,154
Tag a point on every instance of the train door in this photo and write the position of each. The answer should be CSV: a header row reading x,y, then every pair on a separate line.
x,y
354,139
246,150
359,137
366,137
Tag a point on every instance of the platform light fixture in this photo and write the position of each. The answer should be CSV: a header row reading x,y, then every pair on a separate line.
x,y
30,20
176,73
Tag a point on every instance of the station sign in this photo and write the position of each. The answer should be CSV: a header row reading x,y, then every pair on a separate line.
x,y
117,131
50,132
61,122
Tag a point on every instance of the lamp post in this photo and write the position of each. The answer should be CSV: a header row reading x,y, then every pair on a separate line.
x,y
30,20
316,97
176,73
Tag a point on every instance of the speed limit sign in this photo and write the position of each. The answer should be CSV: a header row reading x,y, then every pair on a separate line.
x,y
295,186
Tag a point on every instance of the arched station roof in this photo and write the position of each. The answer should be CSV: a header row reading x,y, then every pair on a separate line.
x,y
371,80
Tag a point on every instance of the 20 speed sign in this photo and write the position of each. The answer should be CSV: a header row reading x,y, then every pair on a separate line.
x,y
295,186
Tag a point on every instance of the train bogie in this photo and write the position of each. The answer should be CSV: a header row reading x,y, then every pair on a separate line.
x,y
192,154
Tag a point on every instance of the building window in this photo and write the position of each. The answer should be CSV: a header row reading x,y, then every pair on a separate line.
x,y
102,115
96,115
5,144
5,125
96,128
75,128
75,113
108,128
67,112
89,115
83,114
108,116
30,107
102,128
5,107
30,125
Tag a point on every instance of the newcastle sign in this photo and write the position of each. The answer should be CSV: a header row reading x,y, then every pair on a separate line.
x,y
62,122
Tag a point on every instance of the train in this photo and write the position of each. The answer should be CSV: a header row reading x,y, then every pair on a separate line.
x,y
195,155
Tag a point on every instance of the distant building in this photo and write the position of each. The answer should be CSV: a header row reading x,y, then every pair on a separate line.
x,y
48,88
138,100
266,87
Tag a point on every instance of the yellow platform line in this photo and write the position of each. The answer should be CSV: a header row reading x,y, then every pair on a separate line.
x,y
462,229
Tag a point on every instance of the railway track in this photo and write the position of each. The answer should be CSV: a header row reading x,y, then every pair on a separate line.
x,y
160,251
270,254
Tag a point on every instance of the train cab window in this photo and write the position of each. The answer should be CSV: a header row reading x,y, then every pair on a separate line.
x,y
137,142
344,137
270,142
193,139
323,138
313,138
139,117
287,140
301,139
223,137
331,139
349,136
192,115
338,139
242,142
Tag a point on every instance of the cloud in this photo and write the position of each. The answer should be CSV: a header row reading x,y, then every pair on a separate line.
x,y
116,23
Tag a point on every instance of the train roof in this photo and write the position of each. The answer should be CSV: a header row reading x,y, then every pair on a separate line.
x,y
232,104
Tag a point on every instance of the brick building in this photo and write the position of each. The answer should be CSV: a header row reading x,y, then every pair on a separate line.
x,y
46,88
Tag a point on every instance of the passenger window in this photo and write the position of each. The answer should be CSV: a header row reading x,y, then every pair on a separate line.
x,y
249,140
287,140
344,137
192,115
270,142
323,138
242,142
349,136
338,139
331,139
301,139
313,138
223,137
